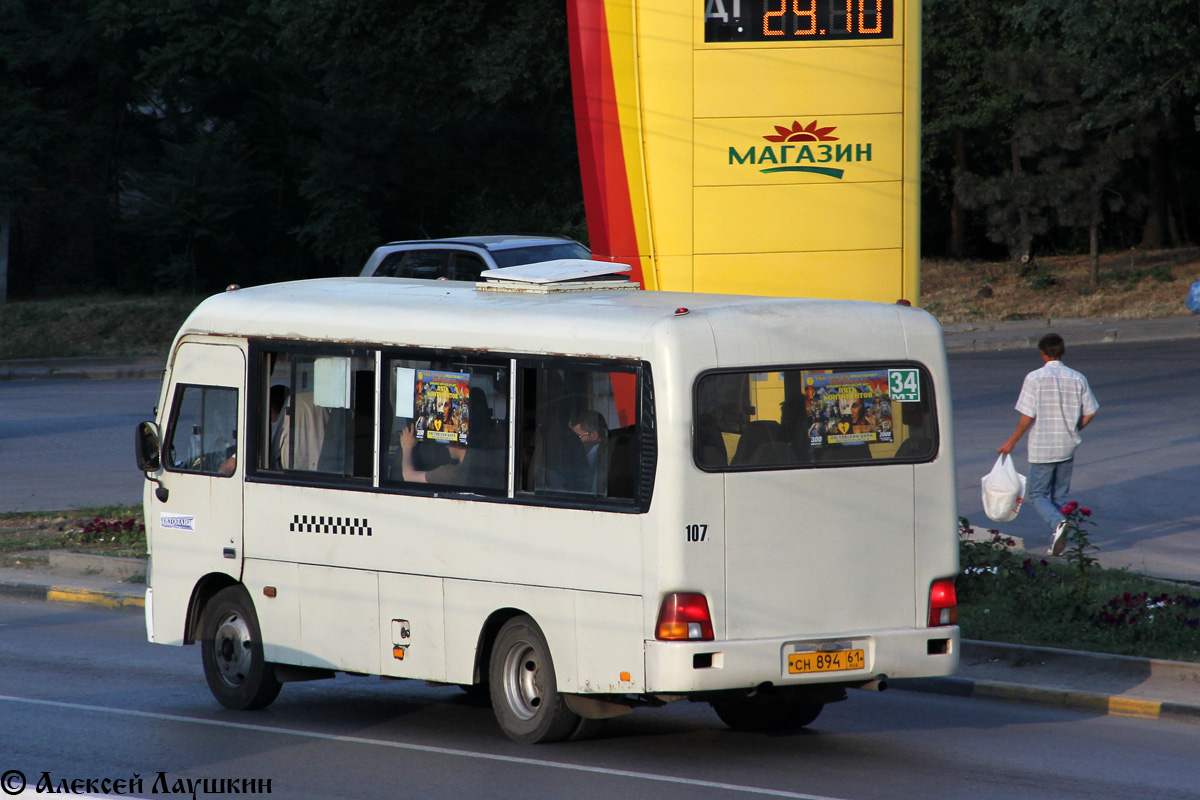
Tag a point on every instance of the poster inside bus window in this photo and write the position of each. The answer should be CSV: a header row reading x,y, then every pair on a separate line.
x,y
848,408
442,407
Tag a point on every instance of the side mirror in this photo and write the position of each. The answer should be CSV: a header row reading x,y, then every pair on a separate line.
x,y
148,447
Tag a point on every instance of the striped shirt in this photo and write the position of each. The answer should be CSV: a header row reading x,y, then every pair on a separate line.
x,y
1056,396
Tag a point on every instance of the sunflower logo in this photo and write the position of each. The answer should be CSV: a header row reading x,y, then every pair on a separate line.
x,y
803,133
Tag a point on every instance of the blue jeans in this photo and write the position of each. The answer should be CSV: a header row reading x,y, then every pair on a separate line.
x,y
1047,489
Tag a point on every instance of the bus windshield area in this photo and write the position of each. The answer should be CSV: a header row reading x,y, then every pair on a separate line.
x,y
810,417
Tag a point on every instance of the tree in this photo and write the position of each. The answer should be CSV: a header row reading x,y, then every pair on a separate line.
x,y
206,196
189,201
53,146
425,118
1132,64
1060,114
965,112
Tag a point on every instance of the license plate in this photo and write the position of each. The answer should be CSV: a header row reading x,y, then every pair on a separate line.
x,y
801,663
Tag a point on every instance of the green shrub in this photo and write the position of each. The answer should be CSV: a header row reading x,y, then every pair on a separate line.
x,y
1019,598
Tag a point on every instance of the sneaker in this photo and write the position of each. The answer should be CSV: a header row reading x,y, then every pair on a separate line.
x,y
1059,543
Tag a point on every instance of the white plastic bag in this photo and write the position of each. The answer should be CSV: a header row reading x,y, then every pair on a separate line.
x,y
1003,490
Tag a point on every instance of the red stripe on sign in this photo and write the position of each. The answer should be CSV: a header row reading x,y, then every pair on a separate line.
x,y
606,191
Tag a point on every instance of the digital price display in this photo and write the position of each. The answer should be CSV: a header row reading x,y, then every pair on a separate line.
x,y
796,20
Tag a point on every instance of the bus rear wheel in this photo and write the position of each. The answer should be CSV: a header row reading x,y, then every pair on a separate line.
x,y
238,674
766,714
524,688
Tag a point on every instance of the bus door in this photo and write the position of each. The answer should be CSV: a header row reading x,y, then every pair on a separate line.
x,y
198,529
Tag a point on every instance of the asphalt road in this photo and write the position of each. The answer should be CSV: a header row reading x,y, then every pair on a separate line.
x,y
67,443
82,695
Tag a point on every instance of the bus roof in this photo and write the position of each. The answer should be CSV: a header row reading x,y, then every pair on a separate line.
x,y
391,311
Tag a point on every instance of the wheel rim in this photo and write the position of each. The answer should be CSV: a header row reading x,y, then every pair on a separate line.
x,y
523,680
232,650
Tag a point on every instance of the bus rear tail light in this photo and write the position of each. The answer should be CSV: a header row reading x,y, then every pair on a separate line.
x,y
684,617
943,604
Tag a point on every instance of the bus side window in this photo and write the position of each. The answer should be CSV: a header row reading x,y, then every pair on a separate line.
x,y
203,436
579,432
318,414
444,423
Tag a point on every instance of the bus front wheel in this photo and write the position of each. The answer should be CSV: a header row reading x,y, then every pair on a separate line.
x,y
524,689
238,674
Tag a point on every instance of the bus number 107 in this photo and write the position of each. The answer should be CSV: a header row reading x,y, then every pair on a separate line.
x,y
696,533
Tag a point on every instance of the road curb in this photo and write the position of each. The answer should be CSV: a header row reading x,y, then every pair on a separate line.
x,y
70,594
1092,702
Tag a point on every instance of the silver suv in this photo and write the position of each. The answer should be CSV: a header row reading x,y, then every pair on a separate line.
x,y
462,259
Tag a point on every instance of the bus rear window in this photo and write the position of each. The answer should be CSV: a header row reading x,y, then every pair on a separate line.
x,y
814,416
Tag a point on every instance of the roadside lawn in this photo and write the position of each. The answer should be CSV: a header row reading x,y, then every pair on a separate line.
x,y
1072,602
104,530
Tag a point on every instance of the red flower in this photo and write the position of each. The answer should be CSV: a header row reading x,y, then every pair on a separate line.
x,y
1070,507
1087,512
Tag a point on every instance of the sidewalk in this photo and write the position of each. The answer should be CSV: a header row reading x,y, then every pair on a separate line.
x,y
1090,682
73,578
986,336
963,337
81,368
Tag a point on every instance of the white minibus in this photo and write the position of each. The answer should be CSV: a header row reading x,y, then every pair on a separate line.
x,y
579,497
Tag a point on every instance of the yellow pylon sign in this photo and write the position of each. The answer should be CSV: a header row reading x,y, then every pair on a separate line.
x,y
752,146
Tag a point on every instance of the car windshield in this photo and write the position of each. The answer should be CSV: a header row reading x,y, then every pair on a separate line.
x,y
540,252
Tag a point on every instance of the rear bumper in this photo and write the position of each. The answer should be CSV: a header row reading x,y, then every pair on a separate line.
x,y
675,667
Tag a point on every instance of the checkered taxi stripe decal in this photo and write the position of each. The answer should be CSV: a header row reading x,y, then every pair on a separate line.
x,y
346,526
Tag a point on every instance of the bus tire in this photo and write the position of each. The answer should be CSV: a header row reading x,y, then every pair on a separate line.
x,y
766,715
524,688
238,674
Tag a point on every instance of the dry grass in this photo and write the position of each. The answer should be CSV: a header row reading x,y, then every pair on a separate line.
x,y
1135,285
93,325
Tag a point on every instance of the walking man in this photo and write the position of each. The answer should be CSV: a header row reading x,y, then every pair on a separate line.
x,y
1057,403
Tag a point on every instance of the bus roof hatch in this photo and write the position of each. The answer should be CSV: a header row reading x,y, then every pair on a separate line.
x,y
563,275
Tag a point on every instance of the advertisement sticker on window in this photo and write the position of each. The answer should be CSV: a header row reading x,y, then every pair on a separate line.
x,y
848,408
441,406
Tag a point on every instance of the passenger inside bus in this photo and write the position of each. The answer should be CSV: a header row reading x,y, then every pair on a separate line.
x,y
279,427
592,431
447,473
479,463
